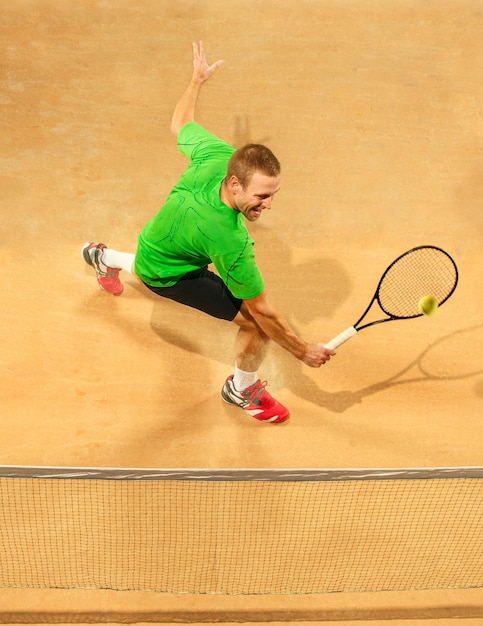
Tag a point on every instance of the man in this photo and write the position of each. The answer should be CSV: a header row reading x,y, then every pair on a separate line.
x,y
203,222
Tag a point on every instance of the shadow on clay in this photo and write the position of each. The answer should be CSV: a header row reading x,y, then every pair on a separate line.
x,y
455,356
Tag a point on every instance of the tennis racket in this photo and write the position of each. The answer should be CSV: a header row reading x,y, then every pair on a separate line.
x,y
421,271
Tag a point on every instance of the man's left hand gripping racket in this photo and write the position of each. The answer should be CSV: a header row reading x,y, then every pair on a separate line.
x,y
421,271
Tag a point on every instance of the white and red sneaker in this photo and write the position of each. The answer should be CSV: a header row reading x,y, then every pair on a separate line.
x,y
256,401
107,277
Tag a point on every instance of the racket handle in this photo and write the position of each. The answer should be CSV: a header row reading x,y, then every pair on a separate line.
x,y
341,338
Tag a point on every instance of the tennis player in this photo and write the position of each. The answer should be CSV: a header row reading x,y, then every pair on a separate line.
x,y
203,223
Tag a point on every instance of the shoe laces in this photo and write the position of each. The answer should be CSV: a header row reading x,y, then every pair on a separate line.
x,y
255,391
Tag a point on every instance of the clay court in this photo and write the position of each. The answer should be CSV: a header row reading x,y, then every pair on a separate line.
x,y
375,112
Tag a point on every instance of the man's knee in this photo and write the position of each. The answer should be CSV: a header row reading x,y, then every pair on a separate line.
x,y
243,317
244,320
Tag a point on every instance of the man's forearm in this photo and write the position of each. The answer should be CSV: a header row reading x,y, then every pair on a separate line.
x,y
184,111
277,330
275,327
283,335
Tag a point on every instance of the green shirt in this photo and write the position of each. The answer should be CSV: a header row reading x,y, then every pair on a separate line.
x,y
195,228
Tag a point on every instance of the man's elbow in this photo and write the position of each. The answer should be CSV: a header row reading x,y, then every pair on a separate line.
x,y
177,124
258,306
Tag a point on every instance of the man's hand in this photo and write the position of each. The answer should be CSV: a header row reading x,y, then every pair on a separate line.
x,y
316,355
201,69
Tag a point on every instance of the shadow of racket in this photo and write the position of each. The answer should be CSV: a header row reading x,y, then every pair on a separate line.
x,y
455,356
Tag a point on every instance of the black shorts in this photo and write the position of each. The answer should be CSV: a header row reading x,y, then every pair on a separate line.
x,y
205,291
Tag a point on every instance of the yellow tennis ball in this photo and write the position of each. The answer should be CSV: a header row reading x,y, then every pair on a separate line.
x,y
428,305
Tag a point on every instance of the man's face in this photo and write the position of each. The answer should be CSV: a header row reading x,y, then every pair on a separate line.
x,y
256,196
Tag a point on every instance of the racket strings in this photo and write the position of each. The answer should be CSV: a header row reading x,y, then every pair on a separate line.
x,y
420,272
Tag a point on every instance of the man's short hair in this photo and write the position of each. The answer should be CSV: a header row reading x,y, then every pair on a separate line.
x,y
251,158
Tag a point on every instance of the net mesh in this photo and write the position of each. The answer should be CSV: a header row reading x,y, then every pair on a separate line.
x,y
241,536
418,273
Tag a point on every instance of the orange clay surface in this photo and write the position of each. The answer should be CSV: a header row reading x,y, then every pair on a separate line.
x,y
375,111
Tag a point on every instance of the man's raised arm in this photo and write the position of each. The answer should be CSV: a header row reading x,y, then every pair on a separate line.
x,y
184,111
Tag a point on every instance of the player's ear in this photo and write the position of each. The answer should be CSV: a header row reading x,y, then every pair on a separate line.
x,y
234,185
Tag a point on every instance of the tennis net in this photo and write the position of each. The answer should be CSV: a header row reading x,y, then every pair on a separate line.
x,y
241,531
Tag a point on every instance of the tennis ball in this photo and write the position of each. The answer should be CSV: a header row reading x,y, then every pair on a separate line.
x,y
428,305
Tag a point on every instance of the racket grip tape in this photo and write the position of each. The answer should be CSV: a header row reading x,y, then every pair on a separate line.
x,y
341,338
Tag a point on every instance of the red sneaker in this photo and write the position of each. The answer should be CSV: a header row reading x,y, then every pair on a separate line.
x,y
107,277
256,401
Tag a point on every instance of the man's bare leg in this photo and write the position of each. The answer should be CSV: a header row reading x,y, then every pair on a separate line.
x,y
251,342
